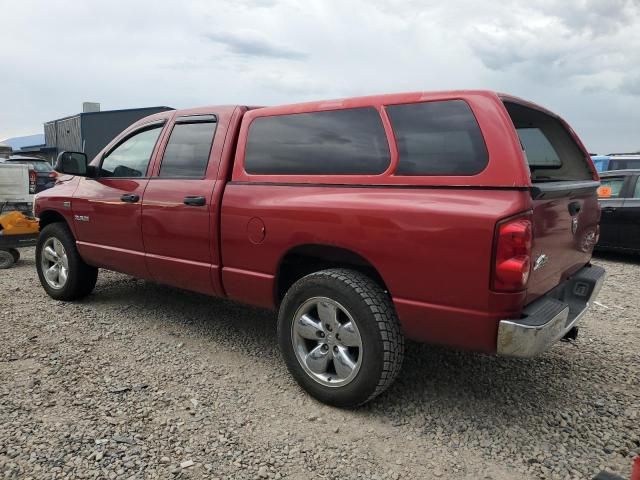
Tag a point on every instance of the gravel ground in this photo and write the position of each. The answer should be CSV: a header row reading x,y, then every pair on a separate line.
x,y
143,381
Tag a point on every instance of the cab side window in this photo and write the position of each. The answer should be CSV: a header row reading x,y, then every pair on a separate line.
x,y
335,142
131,157
610,187
438,138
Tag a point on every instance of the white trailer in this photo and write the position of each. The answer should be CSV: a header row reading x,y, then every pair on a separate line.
x,y
15,185
14,188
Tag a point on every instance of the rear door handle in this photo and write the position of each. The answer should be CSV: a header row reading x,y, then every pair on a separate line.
x,y
130,198
194,201
608,209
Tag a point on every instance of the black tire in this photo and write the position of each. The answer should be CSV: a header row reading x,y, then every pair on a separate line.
x,y
15,253
6,259
81,278
373,312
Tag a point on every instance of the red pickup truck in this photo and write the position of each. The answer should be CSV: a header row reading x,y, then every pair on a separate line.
x,y
463,218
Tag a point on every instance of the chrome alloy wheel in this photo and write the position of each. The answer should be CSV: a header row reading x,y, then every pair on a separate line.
x,y
54,263
327,342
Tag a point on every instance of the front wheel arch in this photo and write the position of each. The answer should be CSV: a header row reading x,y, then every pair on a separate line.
x,y
48,217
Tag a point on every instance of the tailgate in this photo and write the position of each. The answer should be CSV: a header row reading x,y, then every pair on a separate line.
x,y
564,196
565,223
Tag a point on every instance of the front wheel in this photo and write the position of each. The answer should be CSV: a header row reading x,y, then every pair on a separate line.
x,y
340,337
62,272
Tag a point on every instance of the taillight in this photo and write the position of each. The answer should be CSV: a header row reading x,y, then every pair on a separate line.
x,y
53,175
33,178
512,254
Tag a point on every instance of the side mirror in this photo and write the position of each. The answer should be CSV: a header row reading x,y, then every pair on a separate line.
x,y
72,163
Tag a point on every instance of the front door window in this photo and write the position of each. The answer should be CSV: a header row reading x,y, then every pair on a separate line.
x,y
131,158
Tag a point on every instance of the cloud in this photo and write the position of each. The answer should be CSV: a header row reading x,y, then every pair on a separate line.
x,y
580,58
597,17
572,41
630,86
252,44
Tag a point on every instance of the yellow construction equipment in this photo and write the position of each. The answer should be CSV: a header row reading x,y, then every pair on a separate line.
x,y
16,223
16,231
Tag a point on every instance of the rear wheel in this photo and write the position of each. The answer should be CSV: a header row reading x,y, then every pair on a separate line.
x,y
6,259
340,337
62,272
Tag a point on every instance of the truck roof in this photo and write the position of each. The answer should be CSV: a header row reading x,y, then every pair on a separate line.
x,y
351,102
382,99
220,109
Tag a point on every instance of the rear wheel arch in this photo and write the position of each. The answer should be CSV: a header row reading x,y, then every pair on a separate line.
x,y
303,260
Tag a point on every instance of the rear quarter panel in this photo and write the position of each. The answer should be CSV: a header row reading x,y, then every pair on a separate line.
x,y
431,246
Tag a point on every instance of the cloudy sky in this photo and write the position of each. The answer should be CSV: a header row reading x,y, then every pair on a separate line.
x,y
580,58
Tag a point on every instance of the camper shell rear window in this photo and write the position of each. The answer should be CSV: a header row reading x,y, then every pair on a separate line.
x,y
549,148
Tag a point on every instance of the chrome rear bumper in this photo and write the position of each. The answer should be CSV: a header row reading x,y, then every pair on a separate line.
x,y
548,319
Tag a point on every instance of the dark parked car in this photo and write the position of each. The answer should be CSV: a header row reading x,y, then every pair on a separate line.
x,y
619,197
45,175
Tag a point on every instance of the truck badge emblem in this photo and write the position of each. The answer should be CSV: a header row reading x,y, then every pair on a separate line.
x,y
540,261
574,225
81,218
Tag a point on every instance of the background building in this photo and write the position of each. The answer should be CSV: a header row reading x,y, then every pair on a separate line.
x,y
91,130
88,132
